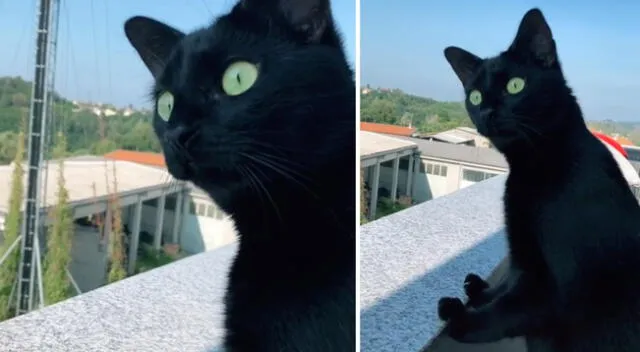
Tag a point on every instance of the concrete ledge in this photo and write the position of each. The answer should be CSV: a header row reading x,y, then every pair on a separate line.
x,y
178,308
443,343
412,258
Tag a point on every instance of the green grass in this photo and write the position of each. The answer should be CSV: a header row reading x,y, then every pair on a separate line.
x,y
387,207
151,259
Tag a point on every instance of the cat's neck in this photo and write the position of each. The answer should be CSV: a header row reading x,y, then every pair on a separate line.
x,y
550,147
301,222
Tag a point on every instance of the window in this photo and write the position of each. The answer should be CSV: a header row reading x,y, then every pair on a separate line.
x,y
476,176
192,208
436,169
210,210
201,209
170,202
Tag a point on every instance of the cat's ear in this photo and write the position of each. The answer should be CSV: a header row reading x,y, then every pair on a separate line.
x,y
534,39
464,63
153,40
310,18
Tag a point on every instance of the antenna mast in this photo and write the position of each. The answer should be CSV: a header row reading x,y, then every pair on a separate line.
x,y
30,266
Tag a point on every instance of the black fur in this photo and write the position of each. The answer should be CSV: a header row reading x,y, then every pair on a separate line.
x,y
573,224
279,158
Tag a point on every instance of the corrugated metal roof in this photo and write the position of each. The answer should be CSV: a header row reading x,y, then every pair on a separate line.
x,y
80,176
461,153
376,143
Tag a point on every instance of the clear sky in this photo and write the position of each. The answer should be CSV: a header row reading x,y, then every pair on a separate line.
x,y
598,44
95,61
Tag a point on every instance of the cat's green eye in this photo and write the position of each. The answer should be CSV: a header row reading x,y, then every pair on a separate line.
x,y
164,106
239,77
515,85
475,97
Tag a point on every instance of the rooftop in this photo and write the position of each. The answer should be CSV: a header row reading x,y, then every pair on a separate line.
x,y
375,144
175,308
82,173
456,135
461,153
146,158
387,129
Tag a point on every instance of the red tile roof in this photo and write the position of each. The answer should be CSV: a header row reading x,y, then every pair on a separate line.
x,y
146,158
387,129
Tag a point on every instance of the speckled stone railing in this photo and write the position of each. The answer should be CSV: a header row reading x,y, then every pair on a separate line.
x,y
178,307
412,258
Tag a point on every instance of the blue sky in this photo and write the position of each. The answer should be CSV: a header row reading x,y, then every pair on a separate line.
x,y
598,44
95,61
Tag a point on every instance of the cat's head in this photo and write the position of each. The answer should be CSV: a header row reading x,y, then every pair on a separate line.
x,y
517,95
256,93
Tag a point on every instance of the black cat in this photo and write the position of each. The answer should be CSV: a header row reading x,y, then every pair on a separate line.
x,y
258,109
573,225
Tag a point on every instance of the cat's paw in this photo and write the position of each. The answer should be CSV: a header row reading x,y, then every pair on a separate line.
x,y
474,286
450,308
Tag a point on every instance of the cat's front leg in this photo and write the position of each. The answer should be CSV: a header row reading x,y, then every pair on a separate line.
x,y
515,312
479,292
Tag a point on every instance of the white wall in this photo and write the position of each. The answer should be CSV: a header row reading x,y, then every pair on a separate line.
x,y
430,185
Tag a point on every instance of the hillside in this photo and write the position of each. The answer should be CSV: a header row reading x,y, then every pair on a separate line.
x,y
393,106
80,125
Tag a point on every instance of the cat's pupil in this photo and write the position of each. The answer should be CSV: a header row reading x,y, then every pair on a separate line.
x,y
238,77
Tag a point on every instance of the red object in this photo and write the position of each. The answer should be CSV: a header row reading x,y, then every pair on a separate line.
x,y
387,129
612,142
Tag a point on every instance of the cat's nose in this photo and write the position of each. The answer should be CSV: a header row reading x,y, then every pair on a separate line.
x,y
487,114
179,134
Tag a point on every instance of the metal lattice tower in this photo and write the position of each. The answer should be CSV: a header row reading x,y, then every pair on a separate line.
x,y
30,266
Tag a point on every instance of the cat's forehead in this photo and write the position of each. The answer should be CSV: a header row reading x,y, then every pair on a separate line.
x,y
493,65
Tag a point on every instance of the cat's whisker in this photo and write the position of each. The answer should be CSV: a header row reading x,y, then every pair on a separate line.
x,y
266,191
278,168
254,187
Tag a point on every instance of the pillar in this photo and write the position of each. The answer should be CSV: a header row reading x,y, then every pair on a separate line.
x,y
375,184
177,216
394,179
157,235
409,176
416,173
135,236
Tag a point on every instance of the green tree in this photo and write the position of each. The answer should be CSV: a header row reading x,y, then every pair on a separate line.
x,y
116,244
57,286
13,222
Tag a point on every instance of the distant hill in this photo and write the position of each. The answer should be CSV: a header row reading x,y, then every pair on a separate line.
x,y
82,127
393,106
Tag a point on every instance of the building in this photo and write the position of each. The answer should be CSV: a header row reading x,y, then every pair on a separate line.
x,y
443,168
460,135
425,169
206,226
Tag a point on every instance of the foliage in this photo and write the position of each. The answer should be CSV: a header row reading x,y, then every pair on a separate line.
x,y
80,125
630,130
117,270
363,199
56,283
151,259
387,207
393,106
13,222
